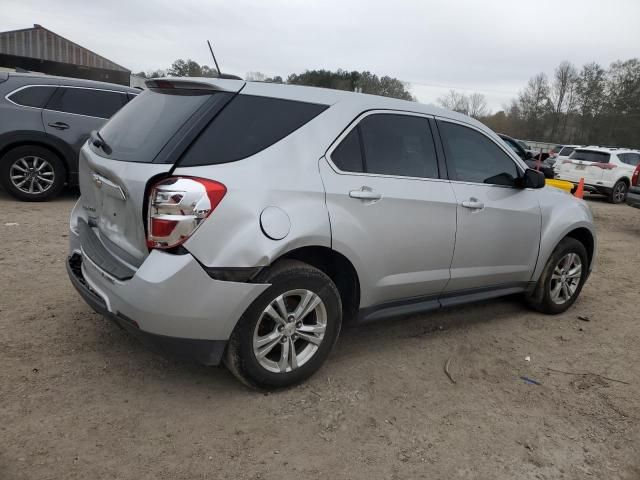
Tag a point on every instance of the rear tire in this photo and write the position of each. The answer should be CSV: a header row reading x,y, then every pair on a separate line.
x,y
561,282
290,358
32,173
618,193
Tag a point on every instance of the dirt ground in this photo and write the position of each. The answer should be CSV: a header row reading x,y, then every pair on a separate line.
x,y
80,399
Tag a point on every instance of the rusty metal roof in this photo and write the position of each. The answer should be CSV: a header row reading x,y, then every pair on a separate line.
x,y
43,44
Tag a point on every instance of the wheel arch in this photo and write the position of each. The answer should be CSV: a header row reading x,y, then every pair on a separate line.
x,y
584,236
626,180
337,267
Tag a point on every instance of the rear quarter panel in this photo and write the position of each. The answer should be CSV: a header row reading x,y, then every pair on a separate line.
x,y
284,175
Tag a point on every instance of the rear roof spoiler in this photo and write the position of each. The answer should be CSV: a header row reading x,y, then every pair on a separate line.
x,y
224,83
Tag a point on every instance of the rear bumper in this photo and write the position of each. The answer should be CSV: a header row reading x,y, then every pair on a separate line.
x,y
169,302
633,197
588,187
206,352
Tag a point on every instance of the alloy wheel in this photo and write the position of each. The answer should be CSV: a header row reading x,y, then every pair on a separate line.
x,y
565,278
619,192
289,331
32,174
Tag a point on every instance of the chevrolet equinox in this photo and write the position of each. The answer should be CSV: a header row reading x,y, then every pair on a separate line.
x,y
239,222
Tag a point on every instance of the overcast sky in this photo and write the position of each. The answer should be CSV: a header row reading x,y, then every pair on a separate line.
x,y
489,46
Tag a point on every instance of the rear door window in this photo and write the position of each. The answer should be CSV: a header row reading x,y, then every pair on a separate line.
x,y
35,96
87,101
348,155
246,126
473,157
632,159
590,156
398,145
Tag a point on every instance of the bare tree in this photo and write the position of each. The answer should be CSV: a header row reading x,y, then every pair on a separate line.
x,y
591,105
478,105
561,94
534,103
458,102
590,90
255,77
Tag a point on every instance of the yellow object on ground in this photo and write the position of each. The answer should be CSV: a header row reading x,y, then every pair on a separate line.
x,y
561,184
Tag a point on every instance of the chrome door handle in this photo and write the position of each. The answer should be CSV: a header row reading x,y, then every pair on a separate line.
x,y
473,204
59,125
365,193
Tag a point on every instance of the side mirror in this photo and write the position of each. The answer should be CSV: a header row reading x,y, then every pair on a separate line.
x,y
527,155
532,179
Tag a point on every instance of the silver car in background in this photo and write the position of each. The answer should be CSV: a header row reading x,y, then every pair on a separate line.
x,y
243,222
44,121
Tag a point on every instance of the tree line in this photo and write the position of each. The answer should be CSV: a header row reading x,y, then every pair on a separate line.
x,y
590,105
583,106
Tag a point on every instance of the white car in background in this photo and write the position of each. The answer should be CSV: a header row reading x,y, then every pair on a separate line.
x,y
560,153
605,170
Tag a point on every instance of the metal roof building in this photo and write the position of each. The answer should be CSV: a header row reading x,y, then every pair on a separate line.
x,y
40,50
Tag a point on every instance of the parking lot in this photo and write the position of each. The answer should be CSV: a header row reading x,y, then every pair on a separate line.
x,y
80,399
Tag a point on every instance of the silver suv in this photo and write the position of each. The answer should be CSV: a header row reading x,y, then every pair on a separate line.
x,y
44,121
242,222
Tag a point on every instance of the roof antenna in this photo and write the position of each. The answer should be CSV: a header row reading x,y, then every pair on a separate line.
x,y
214,58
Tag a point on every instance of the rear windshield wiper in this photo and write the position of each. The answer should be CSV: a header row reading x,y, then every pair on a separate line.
x,y
97,141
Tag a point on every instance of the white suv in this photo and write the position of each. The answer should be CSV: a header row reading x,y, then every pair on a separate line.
x,y
605,170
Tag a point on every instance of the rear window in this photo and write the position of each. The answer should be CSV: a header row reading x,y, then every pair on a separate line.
x,y
33,96
144,126
566,151
590,156
246,126
87,101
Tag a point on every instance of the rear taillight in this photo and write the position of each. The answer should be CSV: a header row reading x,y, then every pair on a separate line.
x,y
634,177
177,207
604,166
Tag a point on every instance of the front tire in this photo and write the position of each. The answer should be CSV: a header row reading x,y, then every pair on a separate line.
x,y
618,193
562,278
32,173
287,333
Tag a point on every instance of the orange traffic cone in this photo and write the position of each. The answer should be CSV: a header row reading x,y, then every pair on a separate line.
x,y
580,190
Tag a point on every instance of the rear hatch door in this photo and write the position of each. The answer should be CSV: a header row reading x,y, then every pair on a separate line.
x,y
139,145
587,164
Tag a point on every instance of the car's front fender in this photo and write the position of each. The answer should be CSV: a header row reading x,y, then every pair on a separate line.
x,y
562,214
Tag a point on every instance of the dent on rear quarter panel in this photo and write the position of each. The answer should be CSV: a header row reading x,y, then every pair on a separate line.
x,y
284,175
561,214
